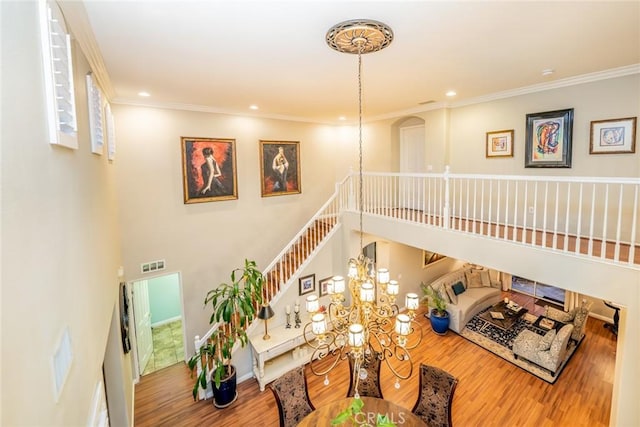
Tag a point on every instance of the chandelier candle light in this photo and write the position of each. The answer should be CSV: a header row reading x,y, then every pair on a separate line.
x,y
369,326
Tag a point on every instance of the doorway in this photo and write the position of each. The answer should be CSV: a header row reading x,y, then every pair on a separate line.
x,y
158,323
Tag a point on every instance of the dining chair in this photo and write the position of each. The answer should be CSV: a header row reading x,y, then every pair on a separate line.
x,y
292,397
369,386
435,396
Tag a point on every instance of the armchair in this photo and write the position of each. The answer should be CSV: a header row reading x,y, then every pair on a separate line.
x,y
547,351
576,317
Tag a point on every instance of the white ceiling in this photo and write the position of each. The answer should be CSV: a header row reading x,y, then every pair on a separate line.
x,y
226,55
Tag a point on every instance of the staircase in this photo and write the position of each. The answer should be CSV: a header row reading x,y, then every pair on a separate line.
x,y
594,218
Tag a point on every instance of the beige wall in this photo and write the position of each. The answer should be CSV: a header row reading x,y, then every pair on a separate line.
x,y
608,99
60,242
205,241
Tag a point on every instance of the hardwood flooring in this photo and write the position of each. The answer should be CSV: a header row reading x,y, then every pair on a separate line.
x,y
490,392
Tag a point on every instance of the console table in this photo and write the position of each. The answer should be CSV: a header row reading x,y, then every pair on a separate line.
x,y
284,351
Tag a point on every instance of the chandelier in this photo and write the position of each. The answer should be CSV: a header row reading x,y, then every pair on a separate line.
x,y
371,325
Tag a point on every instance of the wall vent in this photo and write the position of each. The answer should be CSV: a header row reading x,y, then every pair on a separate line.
x,y
148,267
62,363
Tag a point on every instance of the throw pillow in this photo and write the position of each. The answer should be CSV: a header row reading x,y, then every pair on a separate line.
x,y
473,279
458,288
477,278
545,342
486,279
453,297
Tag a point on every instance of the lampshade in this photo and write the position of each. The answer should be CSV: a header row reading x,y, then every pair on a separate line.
x,y
367,293
266,312
411,301
319,324
312,303
353,270
393,287
356,335
338,284
383,276
403,324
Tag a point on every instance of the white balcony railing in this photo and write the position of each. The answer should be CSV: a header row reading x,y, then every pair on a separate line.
x,y
592,217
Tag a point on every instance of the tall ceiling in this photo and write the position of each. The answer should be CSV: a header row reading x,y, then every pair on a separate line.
x,y
227,55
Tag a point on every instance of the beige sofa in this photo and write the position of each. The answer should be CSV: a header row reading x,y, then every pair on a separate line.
x,y
479,293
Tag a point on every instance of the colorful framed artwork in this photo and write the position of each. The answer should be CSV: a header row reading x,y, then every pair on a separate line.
x,y
613,136
307,284
429,257
208,169
499,143
548,139
279,168
323,285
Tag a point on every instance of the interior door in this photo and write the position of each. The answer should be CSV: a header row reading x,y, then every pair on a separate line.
x,y
142,315
412,161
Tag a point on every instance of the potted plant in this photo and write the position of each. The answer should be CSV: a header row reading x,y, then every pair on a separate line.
x,y
438,315
234,305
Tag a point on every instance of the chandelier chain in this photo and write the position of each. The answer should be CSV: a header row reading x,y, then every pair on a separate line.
x,y
360,196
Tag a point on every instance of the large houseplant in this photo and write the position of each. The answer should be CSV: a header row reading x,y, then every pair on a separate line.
x,y
438,315
232,305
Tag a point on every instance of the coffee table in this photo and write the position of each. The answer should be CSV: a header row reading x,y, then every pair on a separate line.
x,y
509,316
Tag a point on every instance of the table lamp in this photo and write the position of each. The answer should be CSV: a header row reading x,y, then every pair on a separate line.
x,y
266,312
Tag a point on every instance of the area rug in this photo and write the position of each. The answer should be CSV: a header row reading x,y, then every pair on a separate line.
x,y
500,342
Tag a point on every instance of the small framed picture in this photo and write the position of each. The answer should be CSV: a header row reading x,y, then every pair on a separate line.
x,y
324,283
613,136
500,143
548,139
307,284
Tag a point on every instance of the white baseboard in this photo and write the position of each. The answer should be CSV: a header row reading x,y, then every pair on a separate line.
x,y
165,321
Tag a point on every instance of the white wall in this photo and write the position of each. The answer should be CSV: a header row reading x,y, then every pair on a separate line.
x,y
60,238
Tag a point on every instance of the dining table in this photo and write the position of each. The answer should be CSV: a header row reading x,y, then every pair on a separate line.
x,y
373,406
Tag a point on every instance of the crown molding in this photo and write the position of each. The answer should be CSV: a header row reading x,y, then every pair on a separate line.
x,y
75,16
570,81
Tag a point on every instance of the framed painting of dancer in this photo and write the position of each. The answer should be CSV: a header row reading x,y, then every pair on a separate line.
x,y
208,169
548,139
279,168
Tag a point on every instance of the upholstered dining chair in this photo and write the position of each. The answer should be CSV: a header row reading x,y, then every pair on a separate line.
x,y
292,397
369,386
435,396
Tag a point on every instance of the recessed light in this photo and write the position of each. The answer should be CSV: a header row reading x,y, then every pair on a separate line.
x,y
342,118
253,107
144,94
548,71
451,93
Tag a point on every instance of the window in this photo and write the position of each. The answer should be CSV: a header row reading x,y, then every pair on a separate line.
x,y
58,76
94,101
538,290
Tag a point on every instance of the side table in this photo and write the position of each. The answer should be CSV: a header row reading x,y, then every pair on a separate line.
x,y
285,350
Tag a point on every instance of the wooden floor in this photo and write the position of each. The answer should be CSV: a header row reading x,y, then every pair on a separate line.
x,y
490,392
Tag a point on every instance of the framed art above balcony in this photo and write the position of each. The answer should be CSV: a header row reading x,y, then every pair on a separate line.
x,y
613,136
548,139
499,143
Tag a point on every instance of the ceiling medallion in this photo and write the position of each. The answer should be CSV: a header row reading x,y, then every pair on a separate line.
x,y
359,36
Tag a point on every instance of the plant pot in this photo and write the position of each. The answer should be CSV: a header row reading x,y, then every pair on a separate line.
x,y
439,323
226,394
